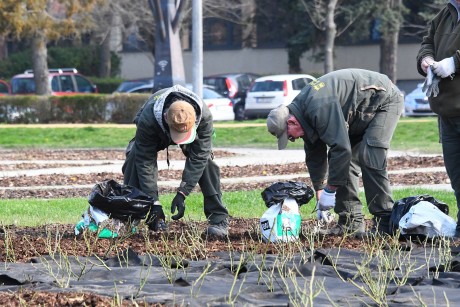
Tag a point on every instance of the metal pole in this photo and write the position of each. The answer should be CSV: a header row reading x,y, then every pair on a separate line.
x,y
197,46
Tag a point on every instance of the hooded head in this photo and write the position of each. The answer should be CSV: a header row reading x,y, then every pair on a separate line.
x,y
277,124
181,117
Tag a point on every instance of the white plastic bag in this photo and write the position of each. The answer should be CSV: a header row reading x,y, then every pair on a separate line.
x,y
424,218
281,222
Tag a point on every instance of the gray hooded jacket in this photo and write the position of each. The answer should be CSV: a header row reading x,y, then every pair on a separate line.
x,y
152,135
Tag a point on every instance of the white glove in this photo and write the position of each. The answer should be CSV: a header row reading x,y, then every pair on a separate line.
x,y
444,68
326,200
323,217
426,62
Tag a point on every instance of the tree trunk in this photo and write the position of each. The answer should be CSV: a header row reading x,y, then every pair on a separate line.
x,y
390,34
3,48
40,64
250,28
388,55
105,66
331,32
294,62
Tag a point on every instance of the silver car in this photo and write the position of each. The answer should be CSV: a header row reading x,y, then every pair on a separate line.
x,y
416,103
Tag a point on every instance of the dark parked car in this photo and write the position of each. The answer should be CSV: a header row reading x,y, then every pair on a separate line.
x,y
233,86
127,85
4,88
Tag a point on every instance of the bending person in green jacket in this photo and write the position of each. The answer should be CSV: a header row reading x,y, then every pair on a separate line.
x,y
177,116
346,119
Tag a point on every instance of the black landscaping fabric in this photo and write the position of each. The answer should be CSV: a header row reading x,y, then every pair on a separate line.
x,y
244,279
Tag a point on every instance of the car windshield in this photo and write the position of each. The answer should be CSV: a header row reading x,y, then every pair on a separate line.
x,y
267,86
23,86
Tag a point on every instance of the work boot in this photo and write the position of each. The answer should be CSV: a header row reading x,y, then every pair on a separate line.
x,y
218,229
356,230
381,226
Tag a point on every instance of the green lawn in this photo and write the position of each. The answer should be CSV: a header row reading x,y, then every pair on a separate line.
x,y
412,134
247,204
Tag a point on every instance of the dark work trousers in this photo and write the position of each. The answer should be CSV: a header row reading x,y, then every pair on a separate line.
x,y
369,155
450,140
209,183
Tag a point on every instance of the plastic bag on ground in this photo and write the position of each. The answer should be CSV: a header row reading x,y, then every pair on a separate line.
x,y
402,206
281,222
117,205
426,219
279,191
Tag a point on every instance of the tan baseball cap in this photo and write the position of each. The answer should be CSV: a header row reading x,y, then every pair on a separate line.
x,y
277,124
181,117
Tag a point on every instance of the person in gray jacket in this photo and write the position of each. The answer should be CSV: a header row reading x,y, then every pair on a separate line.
x,y
440,50
177,116
346,119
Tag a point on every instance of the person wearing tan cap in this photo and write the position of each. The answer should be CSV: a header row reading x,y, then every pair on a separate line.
x,y
177,116
346,119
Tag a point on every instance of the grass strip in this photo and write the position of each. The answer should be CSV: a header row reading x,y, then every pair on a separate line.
x,y
243,204
416,135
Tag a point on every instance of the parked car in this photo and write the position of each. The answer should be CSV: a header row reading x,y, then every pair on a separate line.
x,y
141,89
221,107
63,81
4,88
233,86
416,103
127,85
266,93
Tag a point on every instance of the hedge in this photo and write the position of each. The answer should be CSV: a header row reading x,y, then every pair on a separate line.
x,y
89,108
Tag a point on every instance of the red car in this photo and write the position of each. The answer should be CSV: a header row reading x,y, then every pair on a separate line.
x,y
4,88
63,81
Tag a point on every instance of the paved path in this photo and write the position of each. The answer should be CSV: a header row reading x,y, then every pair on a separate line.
x,y
244,156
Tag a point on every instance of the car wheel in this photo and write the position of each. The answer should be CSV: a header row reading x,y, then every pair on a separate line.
x,y
239,112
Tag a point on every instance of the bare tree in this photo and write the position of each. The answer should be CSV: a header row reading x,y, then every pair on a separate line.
x,y
390,20
333,17
117,19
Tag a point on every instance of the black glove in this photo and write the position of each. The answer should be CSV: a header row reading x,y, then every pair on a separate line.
x,y
156,218
178,202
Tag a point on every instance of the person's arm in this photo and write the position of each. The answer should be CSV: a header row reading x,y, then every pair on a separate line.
x,y
332,131
199,152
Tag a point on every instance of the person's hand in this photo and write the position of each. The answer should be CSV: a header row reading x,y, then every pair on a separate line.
x,y
426,62
323,217
444,68
156,217
326,200
179,204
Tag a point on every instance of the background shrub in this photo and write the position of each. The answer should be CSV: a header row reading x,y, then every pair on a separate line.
x,y
89,108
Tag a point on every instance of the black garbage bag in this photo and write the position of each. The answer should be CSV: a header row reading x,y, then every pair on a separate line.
x,y
279,191
125,203
402,206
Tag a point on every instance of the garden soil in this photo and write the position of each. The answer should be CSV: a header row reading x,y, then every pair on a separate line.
x,y
50,266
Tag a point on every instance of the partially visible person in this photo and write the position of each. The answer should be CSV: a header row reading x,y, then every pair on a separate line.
x,y
346,119
177,116
440,49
